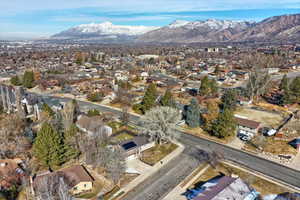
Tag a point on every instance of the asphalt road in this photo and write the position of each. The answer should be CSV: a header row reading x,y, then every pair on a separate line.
x,y
158,185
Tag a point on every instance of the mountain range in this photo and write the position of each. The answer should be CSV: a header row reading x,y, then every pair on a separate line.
x,y
278,28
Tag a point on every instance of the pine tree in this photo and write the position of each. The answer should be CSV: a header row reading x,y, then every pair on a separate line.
x,y
48,110
28,79
15,80
167,99
295,90
193,114
204,87
208,87
284,84
48,146
225,124
229,99
71,143
149,98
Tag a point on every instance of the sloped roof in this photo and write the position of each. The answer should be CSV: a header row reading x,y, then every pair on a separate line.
x,y
247,123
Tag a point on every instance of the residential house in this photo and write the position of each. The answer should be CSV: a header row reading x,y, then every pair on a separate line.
x,y
11,172
93,125
296,144
247,127
135,146
222,188
76,177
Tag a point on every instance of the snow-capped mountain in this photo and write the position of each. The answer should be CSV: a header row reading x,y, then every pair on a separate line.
x,y
217,24
103,30
196,31
178,23
285,27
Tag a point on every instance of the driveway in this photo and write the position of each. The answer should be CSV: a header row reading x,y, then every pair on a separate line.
x,y
137,166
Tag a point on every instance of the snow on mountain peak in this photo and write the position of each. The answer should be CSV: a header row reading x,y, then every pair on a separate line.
x,y
209,23
178,23
107,28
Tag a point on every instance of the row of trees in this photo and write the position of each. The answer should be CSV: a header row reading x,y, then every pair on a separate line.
x,y
27,80
218,119
152,99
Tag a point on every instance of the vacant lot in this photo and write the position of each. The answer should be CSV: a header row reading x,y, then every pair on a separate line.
x,y
268,119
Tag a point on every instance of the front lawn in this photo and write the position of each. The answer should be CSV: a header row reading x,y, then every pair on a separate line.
x,y
155,154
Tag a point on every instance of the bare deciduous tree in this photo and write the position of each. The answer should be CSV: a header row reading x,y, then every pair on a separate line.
x,y
12,137
52,187
159,123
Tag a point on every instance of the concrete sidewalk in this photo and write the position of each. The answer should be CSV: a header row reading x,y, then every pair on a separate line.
x,y
296,162
151,170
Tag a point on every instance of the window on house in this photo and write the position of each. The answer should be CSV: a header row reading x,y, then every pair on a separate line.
x,y
84,185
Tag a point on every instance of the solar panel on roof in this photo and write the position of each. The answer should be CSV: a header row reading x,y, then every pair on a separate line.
x,y
129,145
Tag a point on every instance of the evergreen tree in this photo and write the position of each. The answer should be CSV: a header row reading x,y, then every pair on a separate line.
x,y
167,99
205,86
225,124
93,112
48,110
71,143
192,114
208,87
149,98
48,146
295,90
284,84
28,79
213,87
15,80
229,99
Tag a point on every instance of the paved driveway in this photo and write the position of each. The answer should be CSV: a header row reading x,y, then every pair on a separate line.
x,y
137,166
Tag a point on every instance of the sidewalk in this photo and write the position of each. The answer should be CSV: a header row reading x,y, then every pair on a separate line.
x,y
151,171
296,162
176,193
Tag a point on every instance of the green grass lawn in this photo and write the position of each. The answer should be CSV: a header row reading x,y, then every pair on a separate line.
x,y
155,154
123,136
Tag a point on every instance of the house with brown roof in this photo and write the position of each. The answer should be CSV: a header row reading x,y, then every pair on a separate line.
x,y
93,125
10,172
77,177
246,126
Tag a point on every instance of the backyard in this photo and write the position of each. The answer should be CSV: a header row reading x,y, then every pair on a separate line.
x,y
267,118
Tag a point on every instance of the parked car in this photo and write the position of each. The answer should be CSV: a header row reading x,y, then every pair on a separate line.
x,y
270,132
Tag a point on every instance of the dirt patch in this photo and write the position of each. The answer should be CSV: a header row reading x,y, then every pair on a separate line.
x,y
268,119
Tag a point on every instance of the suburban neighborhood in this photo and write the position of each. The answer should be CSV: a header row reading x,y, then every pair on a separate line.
x,y
97,115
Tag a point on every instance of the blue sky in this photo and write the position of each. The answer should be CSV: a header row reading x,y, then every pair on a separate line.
x,y
38,18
